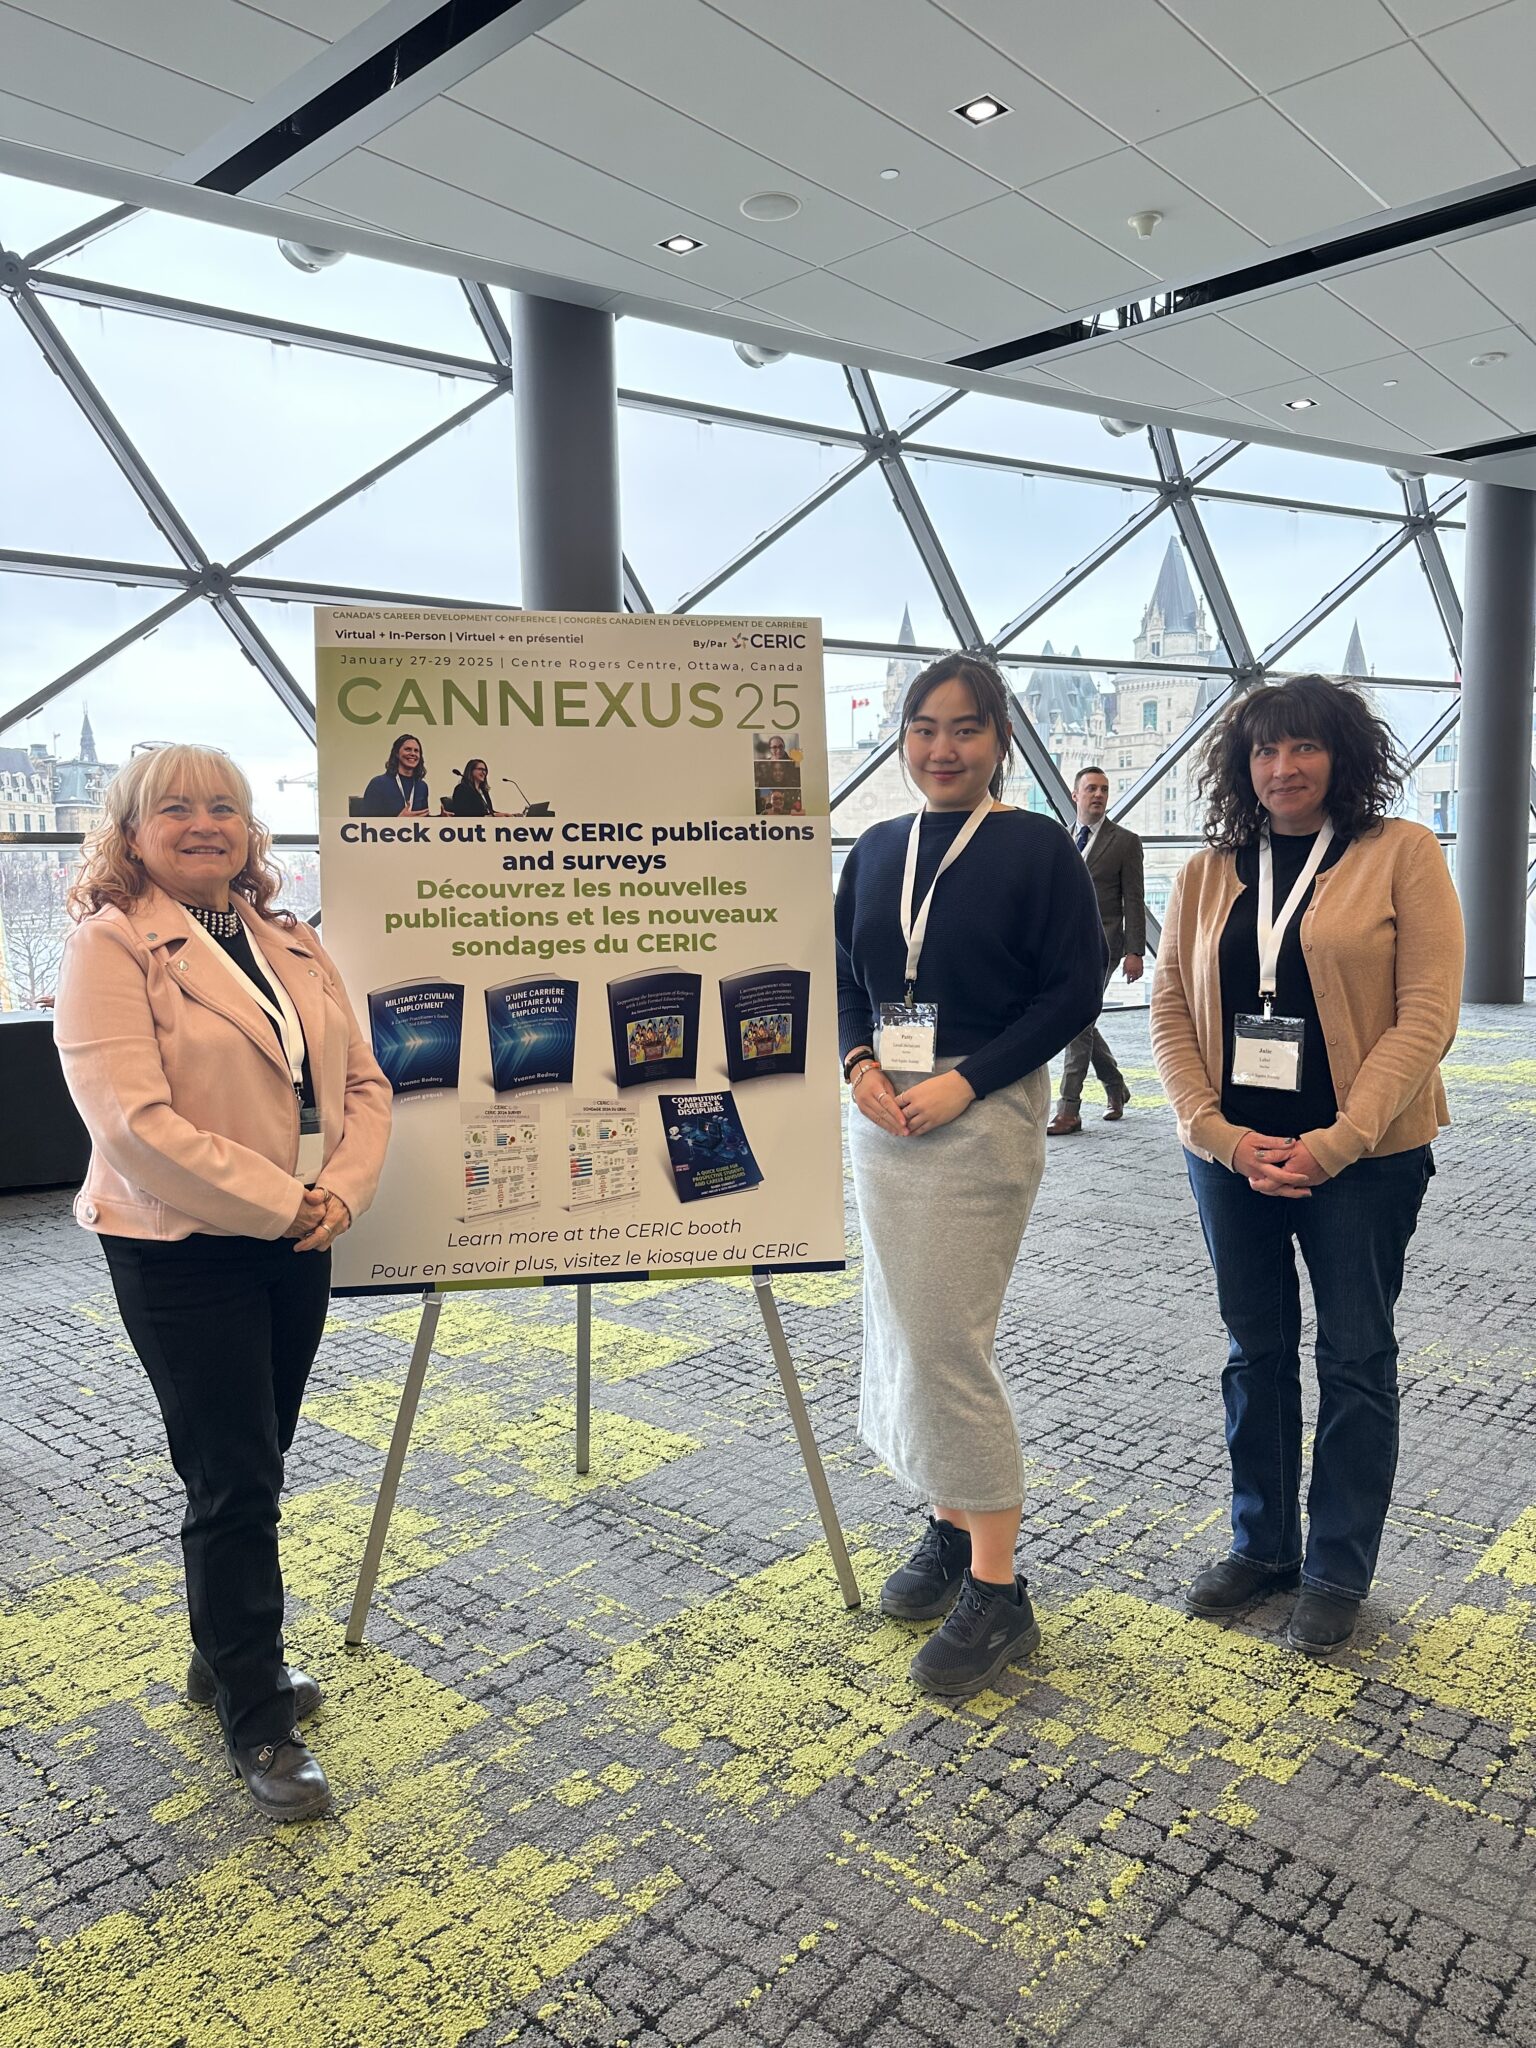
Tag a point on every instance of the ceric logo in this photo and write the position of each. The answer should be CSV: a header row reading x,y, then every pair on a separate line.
x,y
768,640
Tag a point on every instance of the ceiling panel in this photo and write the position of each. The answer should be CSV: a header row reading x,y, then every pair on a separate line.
x,y
220,42
329,18
694,59
1312,327
546,93
1419,298
1507,388
1114,371
1427,404
916,272
1013,237
1398,126
476,154
372,189
118,91
846,312
1335,417
1192,240
1128,63
1257,167
46,128
1490,59
1208,348
867,47
1502,264
1419,17
1274,46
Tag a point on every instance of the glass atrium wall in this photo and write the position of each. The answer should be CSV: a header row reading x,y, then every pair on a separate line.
x,y
204,443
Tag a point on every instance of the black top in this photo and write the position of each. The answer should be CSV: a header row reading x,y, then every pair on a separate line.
x,y
1275,1111
238,946
388,795
1014,955
469,802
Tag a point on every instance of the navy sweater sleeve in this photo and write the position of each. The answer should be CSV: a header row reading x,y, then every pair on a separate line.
x,y
1014,958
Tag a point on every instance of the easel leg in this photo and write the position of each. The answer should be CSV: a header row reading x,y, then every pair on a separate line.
x,y
384,1506
769,1310
583,1376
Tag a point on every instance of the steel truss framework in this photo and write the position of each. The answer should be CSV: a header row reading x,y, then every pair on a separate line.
x,y
31,281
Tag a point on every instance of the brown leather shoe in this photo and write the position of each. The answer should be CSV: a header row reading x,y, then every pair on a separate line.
x,y
1063,1124
1118,1098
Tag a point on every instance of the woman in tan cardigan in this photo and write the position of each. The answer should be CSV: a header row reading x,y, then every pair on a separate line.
x,y
1306,992
238,1123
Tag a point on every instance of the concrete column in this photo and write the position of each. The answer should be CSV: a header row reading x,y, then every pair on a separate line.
x,y
1493,818
565,392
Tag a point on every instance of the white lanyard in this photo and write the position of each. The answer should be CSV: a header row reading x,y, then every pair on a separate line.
x,y
1272,930
407,796
915,930
282,1012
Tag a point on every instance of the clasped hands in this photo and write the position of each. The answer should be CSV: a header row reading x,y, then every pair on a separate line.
x,y
925,1106
319,1220
1277,1166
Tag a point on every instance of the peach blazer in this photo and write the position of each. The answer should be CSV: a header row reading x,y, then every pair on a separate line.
x,y
181,1083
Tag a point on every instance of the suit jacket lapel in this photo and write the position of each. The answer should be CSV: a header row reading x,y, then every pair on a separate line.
x,y
1099,844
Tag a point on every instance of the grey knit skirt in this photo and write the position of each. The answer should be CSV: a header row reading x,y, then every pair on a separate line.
x,y
942,1218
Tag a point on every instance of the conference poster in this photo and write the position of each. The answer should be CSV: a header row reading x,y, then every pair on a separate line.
x,y
576,872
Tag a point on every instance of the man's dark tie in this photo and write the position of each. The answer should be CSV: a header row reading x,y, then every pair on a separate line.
x,y
1082,836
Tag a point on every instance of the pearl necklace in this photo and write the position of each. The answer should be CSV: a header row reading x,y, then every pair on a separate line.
x,y
219,924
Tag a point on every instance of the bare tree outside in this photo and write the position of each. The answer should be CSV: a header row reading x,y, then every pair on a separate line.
x,y
34,923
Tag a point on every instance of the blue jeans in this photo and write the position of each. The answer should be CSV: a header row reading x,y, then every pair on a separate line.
x,y
1353,1233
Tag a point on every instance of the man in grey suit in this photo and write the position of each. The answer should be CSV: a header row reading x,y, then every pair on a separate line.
x,y
1114,861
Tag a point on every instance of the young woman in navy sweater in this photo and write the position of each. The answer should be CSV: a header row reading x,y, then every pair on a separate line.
x,y
984,915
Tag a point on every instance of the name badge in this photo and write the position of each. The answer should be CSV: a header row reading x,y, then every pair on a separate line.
x,y
908,1032
1266,1052
311,1143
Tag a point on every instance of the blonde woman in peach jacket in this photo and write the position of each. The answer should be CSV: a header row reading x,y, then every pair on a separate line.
x,y
238,1123
1307,990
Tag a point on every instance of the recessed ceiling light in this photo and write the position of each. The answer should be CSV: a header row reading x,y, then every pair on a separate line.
x,y
890,174
679,245
1487,359
980,112
770,206
1389,383
1300,404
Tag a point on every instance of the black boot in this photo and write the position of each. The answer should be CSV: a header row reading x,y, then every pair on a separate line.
x,y
200,1687
283,1778
1221,1589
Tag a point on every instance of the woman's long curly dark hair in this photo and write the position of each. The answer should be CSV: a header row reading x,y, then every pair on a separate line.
x,y
1368,766
989,694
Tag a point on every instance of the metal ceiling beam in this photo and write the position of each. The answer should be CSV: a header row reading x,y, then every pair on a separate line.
x,y
1019,465
1436,568
885,446
368,479
875,759
85,291
635,599
1229,626
1092,561
1340,594
94,661
482,304
88,231
766,539
141,478
928,412
268,662
1208,464
1266,498
735,416
88,569
281,590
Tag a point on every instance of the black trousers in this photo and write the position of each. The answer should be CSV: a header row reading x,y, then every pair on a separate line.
x,y
227,1329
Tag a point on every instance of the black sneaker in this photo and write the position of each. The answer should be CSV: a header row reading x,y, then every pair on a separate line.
x,y
925,1586
1221,1589
1322,1622
986,1630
